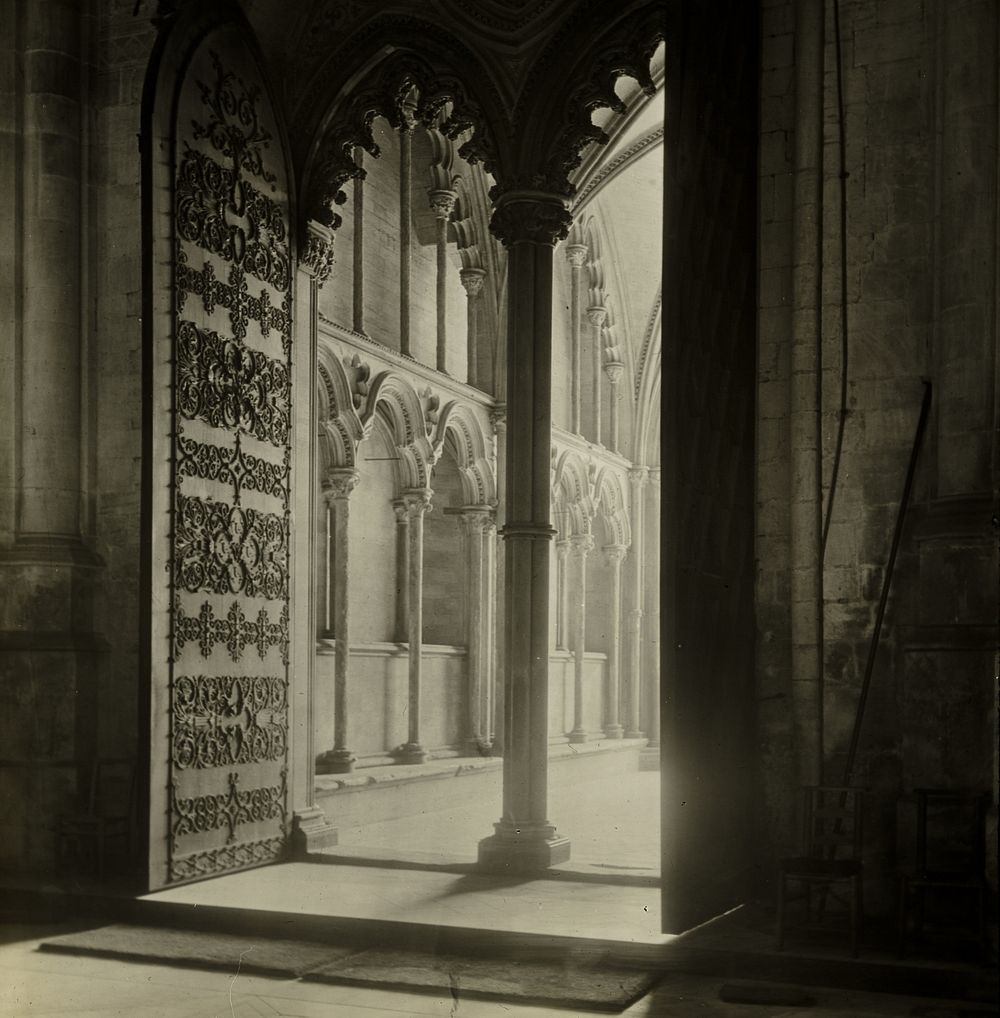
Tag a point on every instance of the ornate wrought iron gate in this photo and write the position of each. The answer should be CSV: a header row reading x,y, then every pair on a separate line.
x,y
219,499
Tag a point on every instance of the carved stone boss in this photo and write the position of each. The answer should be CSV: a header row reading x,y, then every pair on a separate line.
x,y
231,422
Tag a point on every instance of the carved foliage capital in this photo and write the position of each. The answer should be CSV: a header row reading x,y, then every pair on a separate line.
x,y
616,553
614,370
498,418
638,476
472,279
317,252
582,544
597,315
529,218
475,518
442,202
414,502
576,255
339,483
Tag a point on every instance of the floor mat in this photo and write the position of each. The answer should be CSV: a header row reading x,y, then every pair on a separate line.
x,y
596,985
199,949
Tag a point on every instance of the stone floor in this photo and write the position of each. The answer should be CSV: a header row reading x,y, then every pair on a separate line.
x,y
613,824
37,984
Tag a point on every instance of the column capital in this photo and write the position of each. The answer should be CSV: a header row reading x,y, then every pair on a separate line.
x,y
498,417
576,254
582,544
614,370
339,482
616,552
317,252
442,202
638,476
597,315
472,279
532,217
413,502
475,517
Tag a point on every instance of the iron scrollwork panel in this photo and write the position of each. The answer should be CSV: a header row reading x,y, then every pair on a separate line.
x,y
229,497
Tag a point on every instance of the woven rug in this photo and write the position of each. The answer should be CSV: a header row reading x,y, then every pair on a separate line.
x,y
588,982
198,949
596,985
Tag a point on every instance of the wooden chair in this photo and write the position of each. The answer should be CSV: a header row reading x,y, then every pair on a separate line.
x,y
831,855
950,858
106,813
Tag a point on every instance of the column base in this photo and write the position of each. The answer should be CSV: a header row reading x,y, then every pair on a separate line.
x,y
578,735
409,753
614,732
634,733
477,747
311,832
335,761
522,848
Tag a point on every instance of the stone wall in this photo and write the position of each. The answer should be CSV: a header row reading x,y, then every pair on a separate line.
x,y
920,129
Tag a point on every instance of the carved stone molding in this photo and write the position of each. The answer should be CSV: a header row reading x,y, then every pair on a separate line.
x,y
530,217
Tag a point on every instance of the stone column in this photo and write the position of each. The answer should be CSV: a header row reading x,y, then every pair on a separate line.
x,y
50,449
472,279
582,545
405,219
337,488
576,255
597,316
443,203
474,521
562,595
402,571
488,725
614,371
637,479
528,224
416,503
310,829
498,418
613,726
652,578
359,245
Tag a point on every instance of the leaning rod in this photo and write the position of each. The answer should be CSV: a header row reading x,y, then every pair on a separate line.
x,y
925,407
